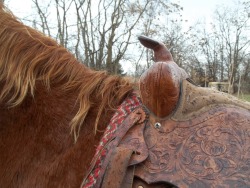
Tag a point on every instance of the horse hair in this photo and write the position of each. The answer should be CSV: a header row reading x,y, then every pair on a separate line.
x,y
28,56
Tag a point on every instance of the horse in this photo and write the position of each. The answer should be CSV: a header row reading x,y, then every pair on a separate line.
x,y
53,109
65,125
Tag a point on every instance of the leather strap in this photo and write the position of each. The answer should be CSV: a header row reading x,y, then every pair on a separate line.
x,y
117,168
138,116
128,180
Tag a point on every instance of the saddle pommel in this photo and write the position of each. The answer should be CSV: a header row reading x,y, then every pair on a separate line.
x,y
161,53
160,84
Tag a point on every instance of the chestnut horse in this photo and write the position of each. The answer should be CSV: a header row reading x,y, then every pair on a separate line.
x,y
53,110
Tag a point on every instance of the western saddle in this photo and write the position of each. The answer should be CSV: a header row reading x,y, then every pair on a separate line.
x,y
182,136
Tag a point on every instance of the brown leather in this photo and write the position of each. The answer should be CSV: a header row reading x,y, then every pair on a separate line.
x,y
210,150
159,91
117,168
205,143
129,177
135,140
134,119
160,84
161,53
138,183
203,140
197,100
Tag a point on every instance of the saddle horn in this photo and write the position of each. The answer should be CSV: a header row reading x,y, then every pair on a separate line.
x,y
161,53
160,84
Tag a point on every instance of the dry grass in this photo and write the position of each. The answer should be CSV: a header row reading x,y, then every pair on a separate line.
x,y
245,97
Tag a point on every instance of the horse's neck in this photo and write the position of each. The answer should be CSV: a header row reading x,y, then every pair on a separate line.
x,y
38,131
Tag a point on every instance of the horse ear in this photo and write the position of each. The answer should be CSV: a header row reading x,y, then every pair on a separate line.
x,y
161,53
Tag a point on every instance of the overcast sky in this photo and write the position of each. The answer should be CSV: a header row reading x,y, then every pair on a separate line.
x,y
193,10
201,10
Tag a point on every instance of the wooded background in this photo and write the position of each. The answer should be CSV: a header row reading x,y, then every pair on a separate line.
x,y
103,35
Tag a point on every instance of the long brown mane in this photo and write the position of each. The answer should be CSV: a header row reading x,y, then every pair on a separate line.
x,y
27,57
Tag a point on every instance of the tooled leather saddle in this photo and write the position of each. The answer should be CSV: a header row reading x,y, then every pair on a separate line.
x,y
192,137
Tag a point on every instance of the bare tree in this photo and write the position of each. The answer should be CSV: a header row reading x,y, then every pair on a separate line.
x,y
43,14
209,47
106,29
162,20
103,33
232,27
97,32
221,50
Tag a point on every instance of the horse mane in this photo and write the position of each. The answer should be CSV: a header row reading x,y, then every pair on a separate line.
x,y
28,56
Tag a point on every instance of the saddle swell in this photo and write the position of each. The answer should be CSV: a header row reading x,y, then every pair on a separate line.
x,y
160,84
